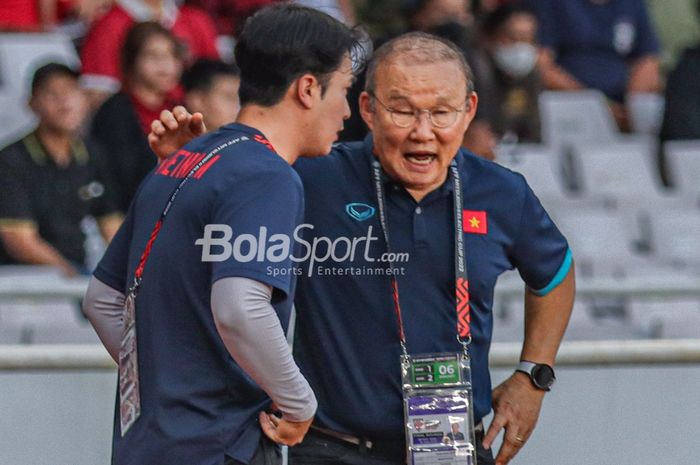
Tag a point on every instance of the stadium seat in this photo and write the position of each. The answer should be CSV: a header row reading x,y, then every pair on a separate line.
x,y
618,169
646,111
20,54
675,238
683,161
668,318
571,118
540,166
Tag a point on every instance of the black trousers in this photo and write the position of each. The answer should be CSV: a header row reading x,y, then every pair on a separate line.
x,y
319,449
268,453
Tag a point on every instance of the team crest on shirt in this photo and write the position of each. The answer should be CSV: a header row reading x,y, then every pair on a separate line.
x,y
624,34
360,211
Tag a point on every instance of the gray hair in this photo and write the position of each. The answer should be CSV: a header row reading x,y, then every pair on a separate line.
x,y
421,48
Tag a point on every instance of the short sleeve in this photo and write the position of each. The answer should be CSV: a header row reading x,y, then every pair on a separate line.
x,y
15,201
113,268
646,42
262,212
540,253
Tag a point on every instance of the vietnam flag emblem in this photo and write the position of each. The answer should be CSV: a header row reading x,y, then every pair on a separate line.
x,y
474,221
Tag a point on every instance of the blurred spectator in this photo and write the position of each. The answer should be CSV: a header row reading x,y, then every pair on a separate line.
x,y
211,88
27,15
100,53
608,45
229,15
51,179
425,15
682,116
151,66
507,80
342,10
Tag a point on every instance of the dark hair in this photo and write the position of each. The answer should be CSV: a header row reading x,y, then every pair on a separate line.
x,y
200,76
136,39
495,20
45,72
418,47
281,42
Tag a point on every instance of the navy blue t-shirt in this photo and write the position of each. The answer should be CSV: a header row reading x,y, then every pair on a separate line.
x,y
595,42
346,338
198,406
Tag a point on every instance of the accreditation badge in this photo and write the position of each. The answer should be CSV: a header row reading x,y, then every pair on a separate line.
x,y
439,420
129,396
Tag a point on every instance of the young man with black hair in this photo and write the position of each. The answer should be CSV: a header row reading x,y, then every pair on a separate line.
x,y
52,178
200,333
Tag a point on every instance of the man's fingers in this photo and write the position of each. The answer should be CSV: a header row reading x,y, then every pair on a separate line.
x,y
181,114
157,128
496,426
197,126
511,445
268,427
168,120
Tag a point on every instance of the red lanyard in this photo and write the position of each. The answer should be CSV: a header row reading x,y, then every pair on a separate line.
x,y
138,275
461,280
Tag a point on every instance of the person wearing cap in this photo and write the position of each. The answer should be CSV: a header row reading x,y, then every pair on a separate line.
x,y
52,178
384,232
199,334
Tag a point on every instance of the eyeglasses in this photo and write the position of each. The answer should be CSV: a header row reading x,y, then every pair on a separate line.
x,y
442,116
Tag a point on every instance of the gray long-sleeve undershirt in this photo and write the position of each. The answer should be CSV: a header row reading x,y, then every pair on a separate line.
x,y
248,326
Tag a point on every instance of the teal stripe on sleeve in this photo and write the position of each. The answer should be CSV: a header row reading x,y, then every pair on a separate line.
x,y
559,277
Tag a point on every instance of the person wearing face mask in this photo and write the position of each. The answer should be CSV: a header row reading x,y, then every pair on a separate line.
x,y
508,80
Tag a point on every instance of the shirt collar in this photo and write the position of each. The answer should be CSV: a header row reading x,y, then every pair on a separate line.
x,y
38,153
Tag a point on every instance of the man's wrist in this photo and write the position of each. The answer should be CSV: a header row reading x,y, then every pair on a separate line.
x,y
541,374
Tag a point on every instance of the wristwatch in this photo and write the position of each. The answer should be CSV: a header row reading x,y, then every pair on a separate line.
x,y
541,374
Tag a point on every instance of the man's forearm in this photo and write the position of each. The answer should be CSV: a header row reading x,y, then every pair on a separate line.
x,y
28,247
644,75
554,76
104,307
546,319
251,331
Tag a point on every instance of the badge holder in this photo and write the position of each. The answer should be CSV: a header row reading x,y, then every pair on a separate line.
x,y
129,395
439,421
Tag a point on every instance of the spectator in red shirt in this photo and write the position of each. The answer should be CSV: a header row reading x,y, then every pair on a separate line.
x,y
151,66
100,53
229,15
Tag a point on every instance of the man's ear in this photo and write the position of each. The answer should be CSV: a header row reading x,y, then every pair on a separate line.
x,y
367,110
306,88
470,110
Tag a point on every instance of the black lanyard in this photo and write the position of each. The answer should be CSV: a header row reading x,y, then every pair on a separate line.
x,y
138,275
461,282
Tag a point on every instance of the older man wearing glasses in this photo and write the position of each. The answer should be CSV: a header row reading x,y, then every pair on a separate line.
x,y
388,223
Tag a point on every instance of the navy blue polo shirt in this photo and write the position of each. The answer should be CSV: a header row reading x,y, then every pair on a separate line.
x,y
198,406
346,339
596,42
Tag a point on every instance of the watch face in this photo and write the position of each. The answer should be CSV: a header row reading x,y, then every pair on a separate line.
x,y
543,376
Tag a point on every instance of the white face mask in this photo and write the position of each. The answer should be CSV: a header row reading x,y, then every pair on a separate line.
x,y
517,59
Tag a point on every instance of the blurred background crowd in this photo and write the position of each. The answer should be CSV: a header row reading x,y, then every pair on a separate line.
x,y
587,98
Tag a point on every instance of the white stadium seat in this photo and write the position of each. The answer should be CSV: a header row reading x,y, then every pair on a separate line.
x,y
683,162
